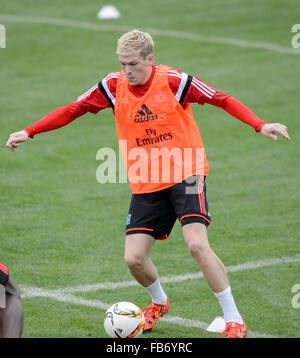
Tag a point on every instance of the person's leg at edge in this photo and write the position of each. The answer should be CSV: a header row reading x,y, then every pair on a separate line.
x,y
214,272
12,317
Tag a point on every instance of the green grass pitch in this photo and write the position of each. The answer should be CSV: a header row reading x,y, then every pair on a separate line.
x,y
60,228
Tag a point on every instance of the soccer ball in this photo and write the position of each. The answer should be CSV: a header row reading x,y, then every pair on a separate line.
x,y
124,320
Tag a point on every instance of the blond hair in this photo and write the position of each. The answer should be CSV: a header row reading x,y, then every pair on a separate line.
x,y
135,41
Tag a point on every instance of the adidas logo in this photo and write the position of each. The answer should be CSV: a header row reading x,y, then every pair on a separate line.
x,y
144,114
144,110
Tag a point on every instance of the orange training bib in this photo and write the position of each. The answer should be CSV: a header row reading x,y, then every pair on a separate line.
x,y
159,140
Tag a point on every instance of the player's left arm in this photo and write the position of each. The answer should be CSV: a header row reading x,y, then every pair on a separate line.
x,y
201,93
238,110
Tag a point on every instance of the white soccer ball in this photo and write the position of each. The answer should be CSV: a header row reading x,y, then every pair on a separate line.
x,y
124,320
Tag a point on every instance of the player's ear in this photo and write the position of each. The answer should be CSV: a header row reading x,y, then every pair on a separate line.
x,y
150,58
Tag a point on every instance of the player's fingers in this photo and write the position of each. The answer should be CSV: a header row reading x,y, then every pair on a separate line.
x,y
10,147
284,133
8,144
272,136
282,130
12,141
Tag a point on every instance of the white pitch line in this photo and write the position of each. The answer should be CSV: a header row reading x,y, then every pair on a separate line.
x,y
34,292
69,298
165,33
65,294
30,292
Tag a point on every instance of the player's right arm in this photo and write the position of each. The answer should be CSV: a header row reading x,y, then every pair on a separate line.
x,y
53,120
91,101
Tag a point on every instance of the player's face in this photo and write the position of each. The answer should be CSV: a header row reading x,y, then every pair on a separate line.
x,y
136,68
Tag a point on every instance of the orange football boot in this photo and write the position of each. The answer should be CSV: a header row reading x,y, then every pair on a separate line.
x,y
152,314
235,330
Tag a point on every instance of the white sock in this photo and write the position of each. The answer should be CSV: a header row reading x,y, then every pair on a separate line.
x,y
226,301
157,293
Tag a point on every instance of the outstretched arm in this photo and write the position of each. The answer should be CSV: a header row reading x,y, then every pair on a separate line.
x,y
92,101
53,120
244,114
200,92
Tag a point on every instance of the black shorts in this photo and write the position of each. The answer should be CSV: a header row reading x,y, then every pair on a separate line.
x,y
155,213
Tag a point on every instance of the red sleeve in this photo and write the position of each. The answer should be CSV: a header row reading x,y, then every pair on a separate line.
x,y
91,101
238,110
200,92
55,119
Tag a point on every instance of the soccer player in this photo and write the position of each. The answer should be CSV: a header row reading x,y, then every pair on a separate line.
x,y
11,308
153,117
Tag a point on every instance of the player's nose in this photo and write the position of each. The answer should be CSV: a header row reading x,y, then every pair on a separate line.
x,y
127,70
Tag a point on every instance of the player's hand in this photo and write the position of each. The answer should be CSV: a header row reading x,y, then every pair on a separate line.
x,y
16,138
269,130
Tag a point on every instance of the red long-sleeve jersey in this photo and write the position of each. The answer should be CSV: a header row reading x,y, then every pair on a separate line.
x,y
186,88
